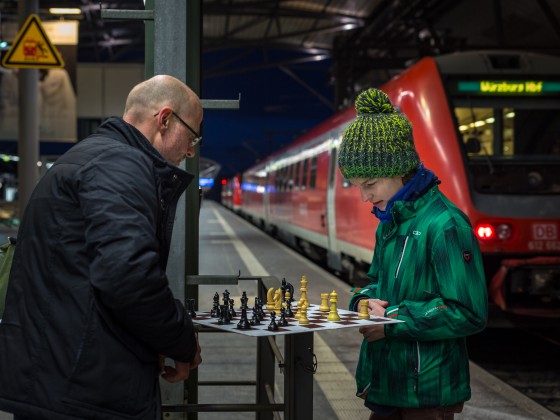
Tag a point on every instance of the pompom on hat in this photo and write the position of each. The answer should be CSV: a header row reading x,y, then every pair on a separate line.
x,y
379,142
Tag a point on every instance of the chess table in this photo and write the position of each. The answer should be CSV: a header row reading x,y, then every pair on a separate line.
x,y
296,360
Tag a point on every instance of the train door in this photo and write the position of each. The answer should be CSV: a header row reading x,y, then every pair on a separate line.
x,y
333,253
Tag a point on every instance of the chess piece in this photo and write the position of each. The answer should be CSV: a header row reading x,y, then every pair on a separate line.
x,y
190,308
232,313
283,321
256,320
283,289
324,302
297,315
288,305
333,313
261,313
224,315
290,289
363,314
270,298
303,315
273,326
226,298
303,289
278,299
243,323
215,311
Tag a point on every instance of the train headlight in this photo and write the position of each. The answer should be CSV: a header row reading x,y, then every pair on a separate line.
x,y
485,231
494,231
504,232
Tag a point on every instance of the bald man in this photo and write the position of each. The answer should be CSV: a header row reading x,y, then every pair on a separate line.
x,y
89,312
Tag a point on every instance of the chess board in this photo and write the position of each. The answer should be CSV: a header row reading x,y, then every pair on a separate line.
x,y
317,322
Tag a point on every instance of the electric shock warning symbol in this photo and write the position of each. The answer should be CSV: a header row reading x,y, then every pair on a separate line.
x,y
32,48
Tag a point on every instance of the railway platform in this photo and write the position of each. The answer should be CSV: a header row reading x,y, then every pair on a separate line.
x,y
230,246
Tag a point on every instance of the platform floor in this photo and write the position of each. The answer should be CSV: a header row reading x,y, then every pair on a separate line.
x,y
229,245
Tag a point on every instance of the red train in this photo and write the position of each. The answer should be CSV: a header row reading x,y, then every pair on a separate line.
x,y
488,124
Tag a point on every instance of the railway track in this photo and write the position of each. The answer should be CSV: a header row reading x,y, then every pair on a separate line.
x,y
527,360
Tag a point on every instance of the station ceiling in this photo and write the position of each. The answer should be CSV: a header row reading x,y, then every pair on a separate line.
x,y
363,41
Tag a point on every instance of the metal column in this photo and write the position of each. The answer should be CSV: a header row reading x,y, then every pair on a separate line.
x,y
28,130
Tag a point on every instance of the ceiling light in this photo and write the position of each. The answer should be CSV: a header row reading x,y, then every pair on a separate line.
x,y
65,11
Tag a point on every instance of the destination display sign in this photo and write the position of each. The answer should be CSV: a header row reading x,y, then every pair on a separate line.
x,y
508,87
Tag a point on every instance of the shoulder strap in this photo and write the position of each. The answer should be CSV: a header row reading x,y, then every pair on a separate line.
x,y
6,258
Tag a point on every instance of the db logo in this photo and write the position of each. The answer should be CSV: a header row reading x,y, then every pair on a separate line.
x,y
545,231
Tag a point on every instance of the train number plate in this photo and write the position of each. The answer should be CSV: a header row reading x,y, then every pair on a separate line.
x,y
545,231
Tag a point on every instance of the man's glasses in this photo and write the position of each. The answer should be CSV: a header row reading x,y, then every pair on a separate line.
x,y
197,138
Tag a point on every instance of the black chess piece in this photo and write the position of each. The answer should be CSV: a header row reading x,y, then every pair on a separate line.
x,y
244,323
282,321
283,289
289,312
256,320
190,308
290,288
273,326
232,313
215,311
224,315
262,314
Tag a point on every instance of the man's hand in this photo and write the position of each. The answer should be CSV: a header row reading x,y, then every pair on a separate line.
x,y
181,370
176,374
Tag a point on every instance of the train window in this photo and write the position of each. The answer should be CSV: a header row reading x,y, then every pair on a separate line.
x,y
509,132
304,174
313,173
290,178
279,179
297,176
513,146
283,178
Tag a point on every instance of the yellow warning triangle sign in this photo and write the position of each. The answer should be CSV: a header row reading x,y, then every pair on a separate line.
x,y
32,48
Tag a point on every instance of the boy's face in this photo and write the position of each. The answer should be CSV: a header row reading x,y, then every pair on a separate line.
x,y
378,191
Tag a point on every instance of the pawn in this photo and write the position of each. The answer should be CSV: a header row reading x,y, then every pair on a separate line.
x,y
288,306
273,326
324,302
363,314
290,289
262,314
256,319
190,308
232,313
333,313
282,321
297,315
224,315
303,315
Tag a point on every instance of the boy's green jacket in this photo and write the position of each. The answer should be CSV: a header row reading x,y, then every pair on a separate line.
x,y
427,265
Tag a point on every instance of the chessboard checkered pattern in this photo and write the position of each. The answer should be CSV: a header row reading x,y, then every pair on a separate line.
x,y
317,322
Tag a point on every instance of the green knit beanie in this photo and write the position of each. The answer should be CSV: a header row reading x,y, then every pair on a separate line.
x,y
378,143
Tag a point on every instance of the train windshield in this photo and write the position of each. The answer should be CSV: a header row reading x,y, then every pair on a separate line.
x,y
512,146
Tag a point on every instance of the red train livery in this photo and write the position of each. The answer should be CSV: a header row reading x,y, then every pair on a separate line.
x,y
488,125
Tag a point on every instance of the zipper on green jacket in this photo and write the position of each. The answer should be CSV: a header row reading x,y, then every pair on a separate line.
x,y
401,258
417,367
